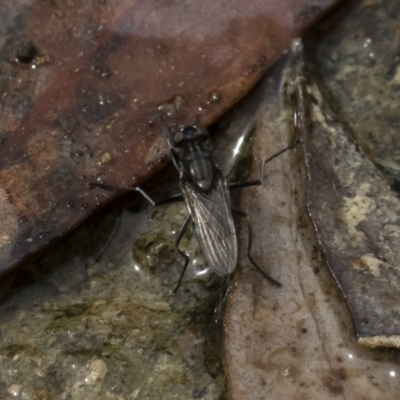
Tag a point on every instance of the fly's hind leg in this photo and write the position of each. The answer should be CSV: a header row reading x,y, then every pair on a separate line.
x,y
250,241
257,182
184,255
175,197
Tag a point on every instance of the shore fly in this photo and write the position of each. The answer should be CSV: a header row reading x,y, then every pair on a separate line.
x,y
206,193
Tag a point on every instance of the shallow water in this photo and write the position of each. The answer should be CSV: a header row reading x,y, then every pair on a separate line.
x,y
84,325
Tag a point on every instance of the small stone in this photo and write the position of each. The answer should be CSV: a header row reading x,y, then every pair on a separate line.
x,y
96,372
14,390
106,157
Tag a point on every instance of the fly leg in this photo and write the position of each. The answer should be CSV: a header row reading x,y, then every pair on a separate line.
x,y
250,241
175,197
173,154
257,182
184,255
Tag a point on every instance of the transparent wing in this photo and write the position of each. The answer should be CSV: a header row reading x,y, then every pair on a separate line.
x,y
214,225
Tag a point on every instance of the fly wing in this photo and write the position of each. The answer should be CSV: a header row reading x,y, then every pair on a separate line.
x,y
214,224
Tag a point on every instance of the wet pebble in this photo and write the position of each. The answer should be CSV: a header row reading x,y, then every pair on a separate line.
x,y
97,372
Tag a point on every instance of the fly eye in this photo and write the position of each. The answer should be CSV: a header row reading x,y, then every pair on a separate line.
x,y
178,138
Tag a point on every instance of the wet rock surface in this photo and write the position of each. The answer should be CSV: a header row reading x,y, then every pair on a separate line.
x,y
96,319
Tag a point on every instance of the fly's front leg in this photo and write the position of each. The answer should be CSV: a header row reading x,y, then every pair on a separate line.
x,y
237,185
184,255
173,154
250,241
175,197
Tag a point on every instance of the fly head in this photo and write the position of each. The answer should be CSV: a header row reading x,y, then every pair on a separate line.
x,y
190,135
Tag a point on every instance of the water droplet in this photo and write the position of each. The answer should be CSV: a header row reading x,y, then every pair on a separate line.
x,y
162,48
369,57
106,158
135,177
71,204
215,97
167,108
23,219
100,31
162,158
367,42
69,138
172,105
103,72
288,371
43,234
84,206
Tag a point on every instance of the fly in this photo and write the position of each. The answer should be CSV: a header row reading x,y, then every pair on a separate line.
x,y
206,193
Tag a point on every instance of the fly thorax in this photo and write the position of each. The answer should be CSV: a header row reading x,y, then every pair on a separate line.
x,y
199,166
201,172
